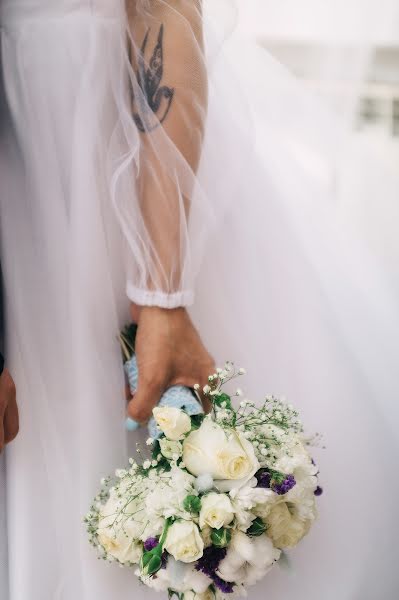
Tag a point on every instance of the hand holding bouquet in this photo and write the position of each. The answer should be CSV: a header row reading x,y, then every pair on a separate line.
x,y
218,499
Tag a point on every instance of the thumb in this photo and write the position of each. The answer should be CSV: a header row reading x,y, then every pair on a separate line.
x,y
144,400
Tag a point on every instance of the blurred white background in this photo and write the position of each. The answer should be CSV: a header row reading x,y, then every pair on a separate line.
x,y
348,52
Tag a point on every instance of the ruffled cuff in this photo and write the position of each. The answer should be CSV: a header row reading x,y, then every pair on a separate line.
x,y
157,298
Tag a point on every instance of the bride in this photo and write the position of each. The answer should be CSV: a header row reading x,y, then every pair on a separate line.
x,y
140,195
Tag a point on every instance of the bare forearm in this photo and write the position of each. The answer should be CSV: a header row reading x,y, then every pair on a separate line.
x,y
169,107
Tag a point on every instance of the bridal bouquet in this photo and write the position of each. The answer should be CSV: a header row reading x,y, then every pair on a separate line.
x,y
217,500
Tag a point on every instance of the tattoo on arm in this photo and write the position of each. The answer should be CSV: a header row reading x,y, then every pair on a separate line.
x,y
152,103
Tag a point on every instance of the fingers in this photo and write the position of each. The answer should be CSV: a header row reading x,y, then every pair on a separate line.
x,y
149,393
145,399
8,409
3,408
201,378
11,420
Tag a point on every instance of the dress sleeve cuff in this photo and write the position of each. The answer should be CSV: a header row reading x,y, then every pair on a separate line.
x,y
157,298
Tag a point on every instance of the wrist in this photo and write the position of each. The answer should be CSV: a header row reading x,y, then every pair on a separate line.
x,y
157,313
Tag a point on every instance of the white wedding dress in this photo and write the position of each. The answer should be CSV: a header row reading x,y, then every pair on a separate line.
x,y
95,211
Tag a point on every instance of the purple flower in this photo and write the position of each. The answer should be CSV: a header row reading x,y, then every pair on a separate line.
x,y
285,486
263,476
318,491
209,561
224,586
208,564
150,543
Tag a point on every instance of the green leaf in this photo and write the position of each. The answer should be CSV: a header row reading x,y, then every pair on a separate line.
x,y
196,421
145,559
257,528
221,537
153,565
172,593
221,399
156,450
192,504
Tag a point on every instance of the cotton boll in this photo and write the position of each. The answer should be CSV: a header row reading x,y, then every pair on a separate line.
x,y
265,553
230,573
160,583
253,574
235,561
182,577
197,581
248,559
243,545
204,483
177,573
231,568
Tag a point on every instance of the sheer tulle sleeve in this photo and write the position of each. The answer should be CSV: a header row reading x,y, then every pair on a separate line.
x,y
162,123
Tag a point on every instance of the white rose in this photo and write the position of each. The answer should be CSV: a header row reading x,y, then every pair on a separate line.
x,y
183,541
216,511
172,421
286,526
170,448
227,456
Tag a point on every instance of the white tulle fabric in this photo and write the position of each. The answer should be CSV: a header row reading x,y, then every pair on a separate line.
x,y
90,207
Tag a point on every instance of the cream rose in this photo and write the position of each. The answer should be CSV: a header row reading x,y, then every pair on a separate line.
x,y
184,542
285,526
216,511
170,448
225,455
172,421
